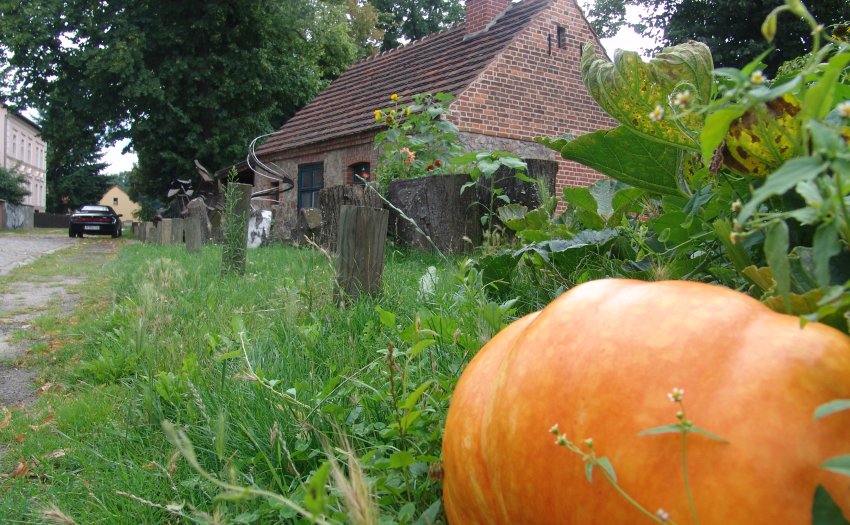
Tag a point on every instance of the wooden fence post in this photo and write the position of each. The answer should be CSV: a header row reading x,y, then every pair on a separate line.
x,y
235,229
361,239
177,226
194,234
165,229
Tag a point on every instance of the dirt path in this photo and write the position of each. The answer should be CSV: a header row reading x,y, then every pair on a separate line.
x,y
30,294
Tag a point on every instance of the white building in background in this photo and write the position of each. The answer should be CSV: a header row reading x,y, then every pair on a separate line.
x,y
23,150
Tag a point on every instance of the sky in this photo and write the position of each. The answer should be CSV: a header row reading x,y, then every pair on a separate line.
x,y
626,39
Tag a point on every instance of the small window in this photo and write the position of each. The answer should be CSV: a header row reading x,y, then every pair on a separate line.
x,y
561,37
15,145
310,181
115,201
359,172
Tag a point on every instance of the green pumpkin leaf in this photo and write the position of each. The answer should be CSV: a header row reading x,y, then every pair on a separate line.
x,y
630,158
826,245
629,89
839,464
825,511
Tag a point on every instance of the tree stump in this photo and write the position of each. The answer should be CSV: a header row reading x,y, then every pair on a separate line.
x,y
331,199
235,225
519,191
194,234
361,239
177,227
438,208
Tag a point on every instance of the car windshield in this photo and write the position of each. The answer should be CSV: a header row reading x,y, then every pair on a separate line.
x,y
101,209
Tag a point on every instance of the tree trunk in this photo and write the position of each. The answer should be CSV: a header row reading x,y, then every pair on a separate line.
x,y
333,198
362,237
435,204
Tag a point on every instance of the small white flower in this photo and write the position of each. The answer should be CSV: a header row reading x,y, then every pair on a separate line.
x,y
662,515
562,441
657,114
758,77
682,99
844,109
555,430
676,395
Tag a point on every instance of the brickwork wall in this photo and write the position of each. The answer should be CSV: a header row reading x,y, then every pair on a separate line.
x,y
534,89
337,157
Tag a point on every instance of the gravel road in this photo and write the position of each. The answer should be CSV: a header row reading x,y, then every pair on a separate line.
x,y
28,297
18,250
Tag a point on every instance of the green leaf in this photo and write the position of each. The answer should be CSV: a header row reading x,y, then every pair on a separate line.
x,y
696,430
715,129
387,318
416,349
488,167
606,465
629,89
665,429
429,517
588,471
821,95
401,459
776,252
839,464
229,355
580,197
825,511
414,396
826,244
790,174
827,409
630,158
315,492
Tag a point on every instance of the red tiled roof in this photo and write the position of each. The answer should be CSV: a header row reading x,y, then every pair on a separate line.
x,y
443,62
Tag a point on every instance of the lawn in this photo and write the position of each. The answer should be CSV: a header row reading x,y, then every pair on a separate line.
x,y
271,386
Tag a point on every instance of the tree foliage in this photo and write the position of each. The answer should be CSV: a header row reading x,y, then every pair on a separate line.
x,y
731,28
413,19
12,186
182,80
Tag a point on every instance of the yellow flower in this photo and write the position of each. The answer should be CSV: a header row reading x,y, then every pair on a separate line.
x,y
394,97
378,114
844,109
758,77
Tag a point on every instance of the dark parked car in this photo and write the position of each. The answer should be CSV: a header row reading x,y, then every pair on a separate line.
x,y
95,220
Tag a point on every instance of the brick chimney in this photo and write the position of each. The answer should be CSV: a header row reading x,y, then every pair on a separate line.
x,y
479,13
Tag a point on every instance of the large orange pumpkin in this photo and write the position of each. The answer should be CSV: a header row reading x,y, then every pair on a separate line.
x,y
599,361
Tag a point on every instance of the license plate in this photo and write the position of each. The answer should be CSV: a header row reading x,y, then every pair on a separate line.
x,y
92,227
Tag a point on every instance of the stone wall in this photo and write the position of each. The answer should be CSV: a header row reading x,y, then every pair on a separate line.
x,y
19,217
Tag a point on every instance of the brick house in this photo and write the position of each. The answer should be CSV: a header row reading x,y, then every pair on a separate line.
x,y
512,67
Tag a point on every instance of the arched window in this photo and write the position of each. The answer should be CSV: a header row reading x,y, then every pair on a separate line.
x,y
359,172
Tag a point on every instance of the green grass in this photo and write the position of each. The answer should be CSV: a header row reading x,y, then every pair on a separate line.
x,y
262,372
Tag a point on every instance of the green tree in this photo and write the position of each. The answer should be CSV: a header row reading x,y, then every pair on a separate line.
x,y
731,28
182,80
413,19
12,186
